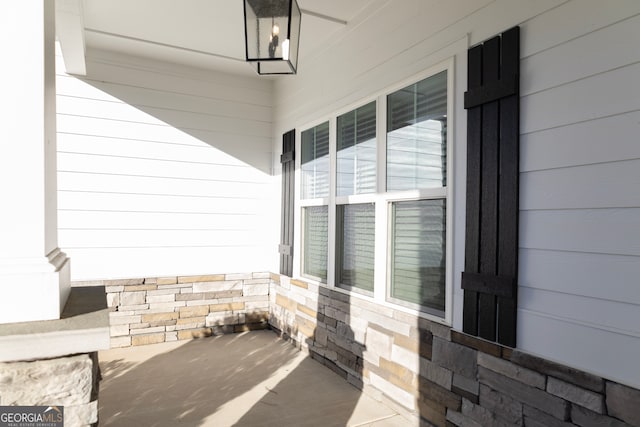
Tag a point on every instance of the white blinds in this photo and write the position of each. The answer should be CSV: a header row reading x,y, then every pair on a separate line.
x,y
355,244
315,162
416,135
418,253
316,225
356,158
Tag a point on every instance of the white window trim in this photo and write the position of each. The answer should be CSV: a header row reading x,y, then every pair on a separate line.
x,y
381,199
300,203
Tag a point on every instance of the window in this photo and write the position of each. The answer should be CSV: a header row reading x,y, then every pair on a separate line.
x,y
355,246
315,192
418,236
356,175
417,159
356,157
416,135
316,226
375,197
315,162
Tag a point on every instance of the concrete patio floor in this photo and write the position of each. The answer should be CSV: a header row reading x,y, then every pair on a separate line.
x,y
248,379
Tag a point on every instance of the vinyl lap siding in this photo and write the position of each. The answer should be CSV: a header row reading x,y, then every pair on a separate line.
x,y
163,171
580,204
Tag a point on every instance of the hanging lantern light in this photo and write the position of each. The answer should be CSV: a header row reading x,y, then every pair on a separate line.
x,y
272,35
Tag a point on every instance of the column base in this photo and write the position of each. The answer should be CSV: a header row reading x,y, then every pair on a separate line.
x,y
34,289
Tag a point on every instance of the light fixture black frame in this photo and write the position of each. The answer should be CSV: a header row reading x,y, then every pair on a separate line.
x,y
260,7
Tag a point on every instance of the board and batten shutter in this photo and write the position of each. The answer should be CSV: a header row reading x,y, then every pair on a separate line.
x,y
491,242
288,187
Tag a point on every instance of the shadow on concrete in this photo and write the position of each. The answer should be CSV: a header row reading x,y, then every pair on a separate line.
x,y
185,383
321,399
249,379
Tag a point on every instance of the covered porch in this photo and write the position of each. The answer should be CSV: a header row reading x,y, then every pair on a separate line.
x,y
343,228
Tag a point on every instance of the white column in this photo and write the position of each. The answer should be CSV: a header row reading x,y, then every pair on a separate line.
x,y
34,273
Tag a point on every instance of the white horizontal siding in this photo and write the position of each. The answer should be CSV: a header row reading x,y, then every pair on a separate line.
x,y
114,68
156,150
605,231
141,202
572,20
171,218
620,318
606,94
160,237
165,260
164,170
234,142
131,165
593,275
601,140
580,157
600,185
146,97
161,185
582,346
578,301
594,54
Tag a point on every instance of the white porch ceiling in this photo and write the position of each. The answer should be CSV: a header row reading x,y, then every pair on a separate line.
x,y
203,33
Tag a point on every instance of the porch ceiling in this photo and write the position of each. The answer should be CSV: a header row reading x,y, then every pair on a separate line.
x,y
203,33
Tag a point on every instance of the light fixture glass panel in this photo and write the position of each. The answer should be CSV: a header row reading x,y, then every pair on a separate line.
x,y
272,30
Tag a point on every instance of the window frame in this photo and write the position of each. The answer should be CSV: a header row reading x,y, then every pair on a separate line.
x,y
310,202
382,200
303,218
400,302
302,181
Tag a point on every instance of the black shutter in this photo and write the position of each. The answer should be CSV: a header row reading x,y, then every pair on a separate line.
x,y
491,255
286,231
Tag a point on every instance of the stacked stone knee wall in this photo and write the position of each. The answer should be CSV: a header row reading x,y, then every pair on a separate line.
x,y
438,376
158,309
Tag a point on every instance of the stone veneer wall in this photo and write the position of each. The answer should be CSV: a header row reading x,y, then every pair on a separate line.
x,y
70,381
423,368
159,309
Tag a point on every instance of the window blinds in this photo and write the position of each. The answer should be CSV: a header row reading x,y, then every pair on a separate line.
x,y
356,158
416,135
315,162
316,225
355,243
418,253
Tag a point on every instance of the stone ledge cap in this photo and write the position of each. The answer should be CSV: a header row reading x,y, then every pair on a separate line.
x,y
83,328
